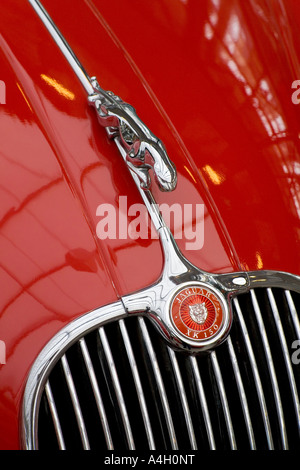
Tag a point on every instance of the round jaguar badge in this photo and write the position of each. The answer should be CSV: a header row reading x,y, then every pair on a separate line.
x,y
199,313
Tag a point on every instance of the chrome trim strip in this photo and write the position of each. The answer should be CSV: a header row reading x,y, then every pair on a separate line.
x,y
63,46
224,401
183,399
117,388
242,394
255,371
159,382
203,403
96,392
268,278
271,368
138,384
75,402
55,418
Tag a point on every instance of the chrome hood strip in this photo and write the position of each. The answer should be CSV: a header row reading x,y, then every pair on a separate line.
x,y
63,46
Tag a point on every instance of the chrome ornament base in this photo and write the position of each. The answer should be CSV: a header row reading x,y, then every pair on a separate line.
x,y
179,275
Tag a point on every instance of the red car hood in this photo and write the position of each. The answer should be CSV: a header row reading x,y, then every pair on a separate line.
x,y
213,80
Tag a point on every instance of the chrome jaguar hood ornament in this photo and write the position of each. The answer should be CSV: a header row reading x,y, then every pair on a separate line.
x,y
143,149
203,319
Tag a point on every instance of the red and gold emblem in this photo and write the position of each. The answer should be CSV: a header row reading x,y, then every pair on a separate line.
x,y
197,312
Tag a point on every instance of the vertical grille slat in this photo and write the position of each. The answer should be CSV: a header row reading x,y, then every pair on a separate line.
x,y
75,402
117,388
256,375
96,392
183,399
121,386
138,385
242,394
159,383
271,368
203,402
55,417
224,401
293,313
286,356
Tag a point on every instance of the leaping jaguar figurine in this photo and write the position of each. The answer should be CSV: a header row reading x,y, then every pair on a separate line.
x,y
121,121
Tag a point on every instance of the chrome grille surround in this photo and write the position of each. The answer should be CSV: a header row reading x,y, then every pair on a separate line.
x,y
242,394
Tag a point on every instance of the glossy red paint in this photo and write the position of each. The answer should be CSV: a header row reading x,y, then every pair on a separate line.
x,y
222,71
213,80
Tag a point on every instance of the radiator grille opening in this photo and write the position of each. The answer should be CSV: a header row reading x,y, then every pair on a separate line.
x,y
121,387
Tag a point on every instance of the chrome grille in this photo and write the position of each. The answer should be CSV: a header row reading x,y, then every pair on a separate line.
x,y
121,387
